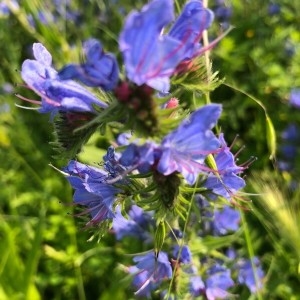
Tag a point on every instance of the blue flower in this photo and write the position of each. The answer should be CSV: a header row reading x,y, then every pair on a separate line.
x,y
218,282
291,133
185,254
197,286
295,97
137,225
185,149
273,9
100,69
142,283
154,269
226,182
123,139
111,164
251,277
225,220
142,157
92,191
189,26
57,95
157,266
151,57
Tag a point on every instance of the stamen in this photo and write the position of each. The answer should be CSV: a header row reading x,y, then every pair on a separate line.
x,y
26,107
121,176
234,141
248,162
23,85
213,43
239,151
28,100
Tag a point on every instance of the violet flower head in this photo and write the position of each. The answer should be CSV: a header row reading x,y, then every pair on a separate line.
x,y
197,287
189,26
57,95
123,138
291,133
218,282
185,254
185,149
142,283
227,182
225,220
158,267
100,69
295,97
251,277
111,163
137,224
142,157
155,268
273,9
92,191
151,57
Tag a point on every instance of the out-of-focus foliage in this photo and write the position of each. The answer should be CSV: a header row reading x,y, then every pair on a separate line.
x,y
44,253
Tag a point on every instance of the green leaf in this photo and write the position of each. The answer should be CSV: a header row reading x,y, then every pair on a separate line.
x,y
160,236
271,135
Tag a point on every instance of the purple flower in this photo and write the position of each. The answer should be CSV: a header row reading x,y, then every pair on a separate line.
x,y
185,149
223,13
155,268
189,26
92,191
5,10
185,254
251,277
142,282
225,220
123,139
143,157
291,133
289,151
218,282
57,95
137,225
197,286
295,97
226,182
111,164
99,70
150,57
273,9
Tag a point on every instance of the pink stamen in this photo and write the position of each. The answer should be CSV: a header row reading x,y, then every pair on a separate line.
x,y
28,100
248,162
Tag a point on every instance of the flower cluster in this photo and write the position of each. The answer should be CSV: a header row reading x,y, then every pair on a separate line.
x,y
166,158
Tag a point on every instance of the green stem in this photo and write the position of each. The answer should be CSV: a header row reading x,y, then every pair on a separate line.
x,y
250,252
206,55
77,267
35,252
180,248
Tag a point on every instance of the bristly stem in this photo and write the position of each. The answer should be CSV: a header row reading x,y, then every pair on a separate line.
x,y
191,202
206,55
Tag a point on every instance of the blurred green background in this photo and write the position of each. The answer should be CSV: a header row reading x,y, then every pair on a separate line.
x,y
44,253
